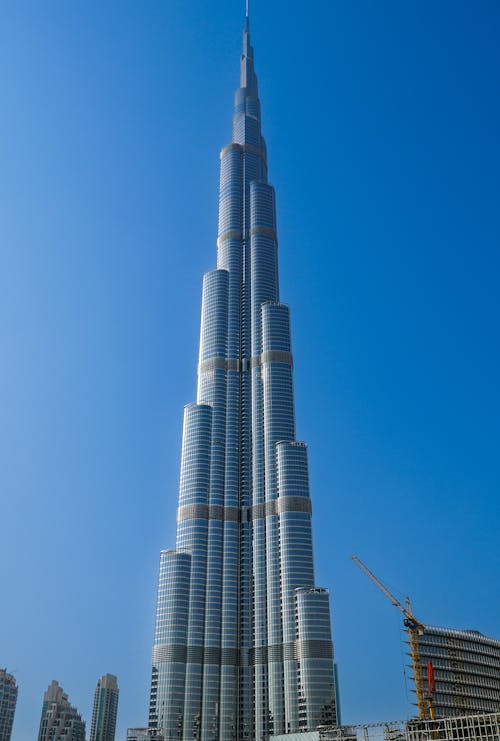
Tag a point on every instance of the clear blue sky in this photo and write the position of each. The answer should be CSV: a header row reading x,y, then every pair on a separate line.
x,y
382,124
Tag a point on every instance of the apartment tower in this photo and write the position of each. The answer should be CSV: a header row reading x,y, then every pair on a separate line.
x,y
105,709
243,645
60,721
8,700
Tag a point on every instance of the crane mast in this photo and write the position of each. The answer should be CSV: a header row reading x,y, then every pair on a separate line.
x,y
415,628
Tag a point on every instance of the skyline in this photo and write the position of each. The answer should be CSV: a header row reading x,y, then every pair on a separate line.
x,y
89,276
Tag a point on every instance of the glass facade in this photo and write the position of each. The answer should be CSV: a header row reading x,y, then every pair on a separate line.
x,y
8,700
243,645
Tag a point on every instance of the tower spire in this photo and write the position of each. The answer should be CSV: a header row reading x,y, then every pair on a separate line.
x,y
247,75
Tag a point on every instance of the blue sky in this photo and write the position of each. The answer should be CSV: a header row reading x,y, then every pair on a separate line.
x,y
382,125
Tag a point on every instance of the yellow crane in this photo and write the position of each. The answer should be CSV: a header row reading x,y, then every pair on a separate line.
x,y
415,628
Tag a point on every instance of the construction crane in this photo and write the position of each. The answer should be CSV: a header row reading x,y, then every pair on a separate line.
x,y
415,628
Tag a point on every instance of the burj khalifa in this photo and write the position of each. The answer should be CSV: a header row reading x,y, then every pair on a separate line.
x,y
242,646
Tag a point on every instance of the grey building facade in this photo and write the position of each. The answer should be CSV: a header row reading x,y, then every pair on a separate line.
x,y
8,700
60,721
105,709
466,669
243,646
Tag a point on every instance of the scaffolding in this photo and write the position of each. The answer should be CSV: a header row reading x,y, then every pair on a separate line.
x,y
485,727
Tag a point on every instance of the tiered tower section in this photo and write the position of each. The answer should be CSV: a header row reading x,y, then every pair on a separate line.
x,y
243,644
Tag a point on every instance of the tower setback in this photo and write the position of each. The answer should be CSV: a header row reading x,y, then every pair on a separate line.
x,y
243,645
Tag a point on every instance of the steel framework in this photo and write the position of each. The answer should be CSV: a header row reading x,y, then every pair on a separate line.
x,y
464,728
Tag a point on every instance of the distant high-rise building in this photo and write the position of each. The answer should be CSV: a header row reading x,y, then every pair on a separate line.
x,y
105,709
243,645
466,669
8,699
60,721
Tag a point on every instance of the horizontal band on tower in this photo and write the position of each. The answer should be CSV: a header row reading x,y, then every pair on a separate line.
x,y
268,356
169,654
219,364
292,651
278,506
271,356
244,148
194,655
277,653
236,234
264,230
178,654
229,234
229,656
211,655
258,655
208,512
276,356
313,649
289,651
247,514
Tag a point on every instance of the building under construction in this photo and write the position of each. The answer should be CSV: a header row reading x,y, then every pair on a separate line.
x,y
466,668
464,728
455,672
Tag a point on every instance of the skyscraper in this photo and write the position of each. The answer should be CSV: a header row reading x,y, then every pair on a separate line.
x,y
243,645
105,709
60,721
8,700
